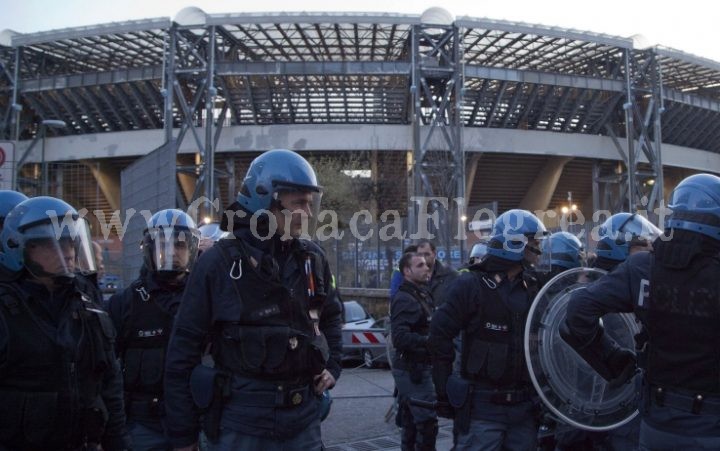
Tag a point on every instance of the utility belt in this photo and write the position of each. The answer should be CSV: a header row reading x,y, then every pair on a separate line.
x,y
144,406
485,392
282,396
211,388
693,403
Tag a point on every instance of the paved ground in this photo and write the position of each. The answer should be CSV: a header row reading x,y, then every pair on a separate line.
x,y
357,421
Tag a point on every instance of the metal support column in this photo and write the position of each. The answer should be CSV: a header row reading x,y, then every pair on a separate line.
x,y
209,154
638,181
168,82
438,155
190,76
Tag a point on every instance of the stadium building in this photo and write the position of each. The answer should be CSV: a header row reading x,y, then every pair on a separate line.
x,y
160,112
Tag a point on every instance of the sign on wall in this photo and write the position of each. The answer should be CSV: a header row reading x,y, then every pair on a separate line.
x,y
7,164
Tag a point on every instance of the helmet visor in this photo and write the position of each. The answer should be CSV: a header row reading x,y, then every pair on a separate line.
x,y
212,231
543,261
691,198
54,250
637,230
173,249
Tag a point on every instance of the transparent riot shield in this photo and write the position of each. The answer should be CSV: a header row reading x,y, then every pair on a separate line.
x,y
568,386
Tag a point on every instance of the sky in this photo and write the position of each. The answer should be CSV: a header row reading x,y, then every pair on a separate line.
x,y
688,25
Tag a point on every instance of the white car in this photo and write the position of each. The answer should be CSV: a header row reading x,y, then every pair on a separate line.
x,y
364,337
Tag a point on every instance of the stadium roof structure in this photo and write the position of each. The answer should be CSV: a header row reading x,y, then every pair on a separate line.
x,y
325,69
346,68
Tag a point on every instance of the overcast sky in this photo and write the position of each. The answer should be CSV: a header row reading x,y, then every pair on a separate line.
x,y
687,25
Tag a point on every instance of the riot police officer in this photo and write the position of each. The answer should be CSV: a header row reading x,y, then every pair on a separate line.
x,y
264,299
8,200
410,313
143,315
492,398
674,291
566,251
60,383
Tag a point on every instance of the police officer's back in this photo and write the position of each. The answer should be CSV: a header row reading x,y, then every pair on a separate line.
x,y
675,291
60,383
143,315
492,397
410,312
265,300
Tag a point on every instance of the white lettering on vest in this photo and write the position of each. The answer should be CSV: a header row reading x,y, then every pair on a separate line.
x,y
498,327
644,291
150,333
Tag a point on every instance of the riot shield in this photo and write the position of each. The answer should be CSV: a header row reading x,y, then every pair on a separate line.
x,y
567,385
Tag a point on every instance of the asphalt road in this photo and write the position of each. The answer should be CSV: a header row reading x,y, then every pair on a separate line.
x,y
361,400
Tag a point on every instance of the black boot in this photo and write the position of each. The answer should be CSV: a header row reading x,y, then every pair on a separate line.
x,y
427,435
409,431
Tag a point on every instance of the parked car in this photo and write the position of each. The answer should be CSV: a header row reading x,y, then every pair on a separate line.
x,y
364,337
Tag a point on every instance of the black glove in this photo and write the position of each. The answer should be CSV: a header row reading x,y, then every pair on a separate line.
x,y
444,409
622,364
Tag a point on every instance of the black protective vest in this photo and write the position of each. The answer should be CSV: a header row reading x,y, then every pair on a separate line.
x,y
422,326
492,344
275,337
682,319
145,336
50,388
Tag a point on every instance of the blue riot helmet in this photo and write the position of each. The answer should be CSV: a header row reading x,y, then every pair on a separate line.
x,y
170,243
566,250
8,200
278,172
620,232
212,231
274,171
695,205
478,251
513,232
47,237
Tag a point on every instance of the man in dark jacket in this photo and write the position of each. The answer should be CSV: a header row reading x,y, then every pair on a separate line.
x,y
143,315
264,300
441,276
410,314
675,291
60,383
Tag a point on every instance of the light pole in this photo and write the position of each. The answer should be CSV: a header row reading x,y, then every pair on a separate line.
x,y
568,212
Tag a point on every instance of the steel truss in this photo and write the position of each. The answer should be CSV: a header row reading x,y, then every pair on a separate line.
x,y
438,164
263,69
635,185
